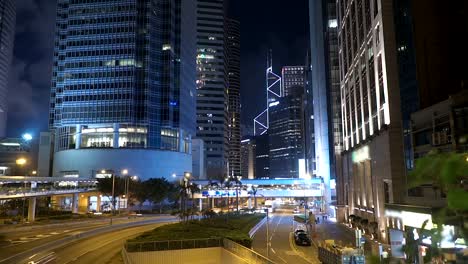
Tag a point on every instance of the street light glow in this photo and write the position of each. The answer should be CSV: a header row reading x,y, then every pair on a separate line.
x,y
27,136
21,161
124,171
103,171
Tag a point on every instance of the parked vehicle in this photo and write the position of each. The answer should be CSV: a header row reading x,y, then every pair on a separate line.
x,y
302,239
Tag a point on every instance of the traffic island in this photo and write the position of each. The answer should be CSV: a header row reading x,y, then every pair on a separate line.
x,y
219,239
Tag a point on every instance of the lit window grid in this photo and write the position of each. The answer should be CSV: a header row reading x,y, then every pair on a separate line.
x,y
353,135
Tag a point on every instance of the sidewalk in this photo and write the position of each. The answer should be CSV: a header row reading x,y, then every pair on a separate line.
x,y
344,235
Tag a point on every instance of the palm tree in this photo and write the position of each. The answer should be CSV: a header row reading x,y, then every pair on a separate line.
x,y
193,188
253,192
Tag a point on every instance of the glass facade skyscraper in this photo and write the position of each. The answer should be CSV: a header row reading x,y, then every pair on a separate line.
x,y
286,134
123,78
7,35
212,86
234,107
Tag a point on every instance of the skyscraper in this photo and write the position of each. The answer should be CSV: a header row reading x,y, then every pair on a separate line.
x,y
292,76
212,84
286,134
326,85
7,36
233,51
373,160
123,87
248,151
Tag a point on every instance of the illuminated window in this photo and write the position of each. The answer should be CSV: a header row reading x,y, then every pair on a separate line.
x,y
166,47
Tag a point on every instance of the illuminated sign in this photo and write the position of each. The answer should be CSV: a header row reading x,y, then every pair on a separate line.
x,y
273,104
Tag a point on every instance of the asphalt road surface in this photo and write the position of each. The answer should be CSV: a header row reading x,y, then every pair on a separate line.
x,y
282,246
78,238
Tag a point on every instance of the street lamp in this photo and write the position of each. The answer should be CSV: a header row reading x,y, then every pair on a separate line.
x,y
127,185
124,172
27,137
21,161
267,230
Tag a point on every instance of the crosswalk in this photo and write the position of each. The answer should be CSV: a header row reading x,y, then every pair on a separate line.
x,y
22,240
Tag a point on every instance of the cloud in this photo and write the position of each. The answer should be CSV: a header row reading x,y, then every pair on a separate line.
x,y
30,73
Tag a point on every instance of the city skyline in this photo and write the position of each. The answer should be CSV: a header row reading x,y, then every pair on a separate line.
x,y
32,65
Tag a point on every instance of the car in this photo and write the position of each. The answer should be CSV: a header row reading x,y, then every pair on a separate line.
x,y
297,231
295,211
302,239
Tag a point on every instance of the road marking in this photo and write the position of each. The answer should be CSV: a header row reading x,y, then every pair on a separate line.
x,y
282,259
272,250
55,233
300,254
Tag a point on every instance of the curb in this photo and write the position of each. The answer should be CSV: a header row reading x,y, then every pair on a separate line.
x,y
256,227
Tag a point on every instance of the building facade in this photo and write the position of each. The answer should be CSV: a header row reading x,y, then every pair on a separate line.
x,y
7,36
286,130
373,159
212,85
198,159
248,147
233,50
123,87
262,159
292,76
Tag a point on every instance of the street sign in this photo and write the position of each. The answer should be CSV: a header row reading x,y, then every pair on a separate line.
x,y
363,240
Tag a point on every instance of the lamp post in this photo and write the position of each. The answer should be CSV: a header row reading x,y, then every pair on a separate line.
x,y
21,162
124,172
127,186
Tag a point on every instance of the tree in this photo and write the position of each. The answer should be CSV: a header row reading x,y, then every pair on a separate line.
x,y
193,188
139,193
104,186
254,193
449,173
157,190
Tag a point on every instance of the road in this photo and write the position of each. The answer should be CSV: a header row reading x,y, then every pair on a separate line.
x,y
282,247
98,249
40,242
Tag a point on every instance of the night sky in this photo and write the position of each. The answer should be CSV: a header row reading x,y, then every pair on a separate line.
x,y
265,24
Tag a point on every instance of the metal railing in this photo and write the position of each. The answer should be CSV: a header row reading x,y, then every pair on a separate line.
x,y
247,254
173,244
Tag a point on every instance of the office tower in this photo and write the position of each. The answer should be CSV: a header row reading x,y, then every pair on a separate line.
x,y
7,36
198,159
233,51
262,160
248,147
309,136
326,86
212,81
292,76
373,160
286,134
123,87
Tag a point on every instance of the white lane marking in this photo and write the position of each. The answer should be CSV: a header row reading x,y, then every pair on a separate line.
x,y
43,236
282,259
272,250
55,233
300,254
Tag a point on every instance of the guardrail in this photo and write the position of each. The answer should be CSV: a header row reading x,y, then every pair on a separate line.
x,y
173,244
248,255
